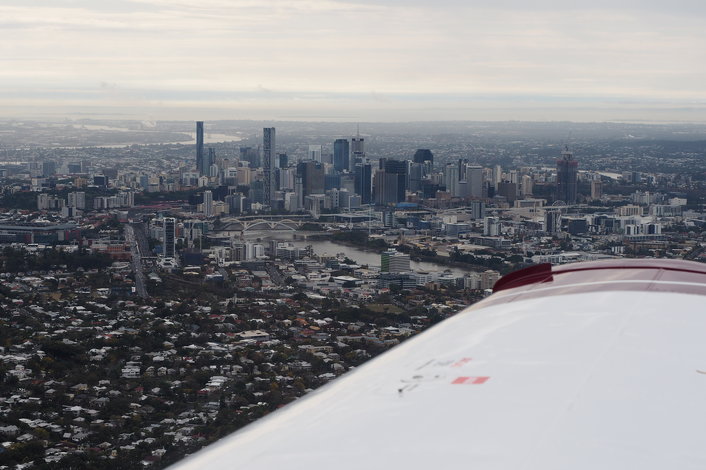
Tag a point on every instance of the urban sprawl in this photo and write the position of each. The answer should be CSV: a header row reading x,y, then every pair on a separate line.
x,y
157,296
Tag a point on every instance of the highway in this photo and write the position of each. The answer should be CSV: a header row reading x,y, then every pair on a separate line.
x,y
275,275
132,239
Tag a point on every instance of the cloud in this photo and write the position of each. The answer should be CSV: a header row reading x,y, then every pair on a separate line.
x,y
171,48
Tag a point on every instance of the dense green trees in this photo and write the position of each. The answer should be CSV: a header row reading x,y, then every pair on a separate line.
x,y
359,238
13,261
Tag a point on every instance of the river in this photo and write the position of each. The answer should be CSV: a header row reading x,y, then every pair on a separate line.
x,y
360,256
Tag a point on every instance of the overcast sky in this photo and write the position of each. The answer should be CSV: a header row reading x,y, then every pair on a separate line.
x,y
354,60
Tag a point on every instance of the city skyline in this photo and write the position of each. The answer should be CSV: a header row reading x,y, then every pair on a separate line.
x,y
503,61
152,309
210,209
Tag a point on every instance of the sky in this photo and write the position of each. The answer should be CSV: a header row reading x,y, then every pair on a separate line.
x,y
354,60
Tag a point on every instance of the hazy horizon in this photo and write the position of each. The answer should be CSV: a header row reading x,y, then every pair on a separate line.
x,y
354,60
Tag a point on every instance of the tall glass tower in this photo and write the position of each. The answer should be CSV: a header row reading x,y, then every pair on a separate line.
x,y
341,155
199,148
169,237
566,177
358,149
268,163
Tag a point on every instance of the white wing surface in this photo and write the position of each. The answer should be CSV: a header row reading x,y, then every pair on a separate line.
x,y
586,366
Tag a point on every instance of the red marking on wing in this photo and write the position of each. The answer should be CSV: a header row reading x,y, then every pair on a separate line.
x,y
470,380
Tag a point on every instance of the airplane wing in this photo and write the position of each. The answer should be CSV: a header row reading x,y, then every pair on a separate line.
x,y
584,366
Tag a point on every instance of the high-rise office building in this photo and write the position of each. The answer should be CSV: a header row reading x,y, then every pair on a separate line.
x,y
169,237
199,149
416,175
299,192
423,155
315,153
526,185
77,200
474,176
363,180
230,176
268,164
477,210
552,221
348,182
332,181
451,178
358,145
462,164
399,169
75,167
384,188
497,175
235,203
250,155
207,161
491,226
48,168
508,190
341,155
566,177
596,189
43,202
256,194
392,261
144,181
286,178
463,190
312,176
208,203
357,149
429,189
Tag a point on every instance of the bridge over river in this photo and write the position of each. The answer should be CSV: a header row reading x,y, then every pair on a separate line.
x,y
247,223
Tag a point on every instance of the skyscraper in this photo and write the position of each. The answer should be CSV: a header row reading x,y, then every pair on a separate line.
x,y
169,237
526,185
358,149
315,153
566,173
199,149
207,161
477,210
363,182
48,168
399,169
268,163
416,174
423,155
299,191
497,175
208,203
552,221
474,176
312,176
491,226
341,155
250,155
596,189
384,188
508,190
77,200
451,178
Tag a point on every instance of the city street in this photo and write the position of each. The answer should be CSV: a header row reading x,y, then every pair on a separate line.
x,y
131,238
